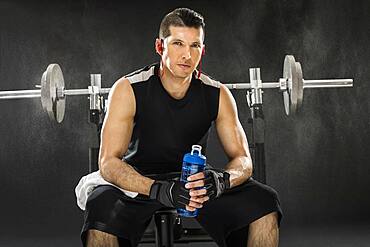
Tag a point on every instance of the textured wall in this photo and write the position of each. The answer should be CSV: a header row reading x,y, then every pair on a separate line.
x,y
318,160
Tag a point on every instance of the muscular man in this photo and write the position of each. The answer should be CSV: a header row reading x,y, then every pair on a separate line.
x,y
154,117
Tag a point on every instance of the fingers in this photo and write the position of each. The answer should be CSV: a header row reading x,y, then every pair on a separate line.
x,y
196,202
198,183
197,192
199,199
196,176
190,208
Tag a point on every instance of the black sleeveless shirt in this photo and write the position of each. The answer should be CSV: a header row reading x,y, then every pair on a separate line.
x,y
165,128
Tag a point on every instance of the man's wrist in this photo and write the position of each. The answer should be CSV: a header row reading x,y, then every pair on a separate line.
x,y
149,185
237,177
170,193
226,177
154,189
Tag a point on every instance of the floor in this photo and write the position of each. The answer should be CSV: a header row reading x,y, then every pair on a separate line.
x,y
302,236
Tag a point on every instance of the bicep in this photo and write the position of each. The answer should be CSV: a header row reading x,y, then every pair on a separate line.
x,y
229,128
119,120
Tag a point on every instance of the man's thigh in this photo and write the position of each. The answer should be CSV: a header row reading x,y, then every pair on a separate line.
x,y
109,210
237,208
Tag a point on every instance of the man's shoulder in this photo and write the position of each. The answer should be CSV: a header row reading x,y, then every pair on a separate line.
x,y
142,74
209,81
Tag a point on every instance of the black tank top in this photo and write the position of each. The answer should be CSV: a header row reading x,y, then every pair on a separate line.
x,y
165,128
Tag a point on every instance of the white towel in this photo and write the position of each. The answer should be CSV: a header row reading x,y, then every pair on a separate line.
x,y
88,183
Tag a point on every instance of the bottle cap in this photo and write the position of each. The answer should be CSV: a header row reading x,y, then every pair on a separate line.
x,y
195,156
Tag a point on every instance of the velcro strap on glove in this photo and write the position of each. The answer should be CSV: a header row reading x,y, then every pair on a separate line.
x,y
170,193
216,182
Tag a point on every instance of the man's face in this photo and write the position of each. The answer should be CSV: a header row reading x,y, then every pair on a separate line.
x,y
182,50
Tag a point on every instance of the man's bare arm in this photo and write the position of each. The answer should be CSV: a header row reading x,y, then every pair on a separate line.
x,y
233,139
115,137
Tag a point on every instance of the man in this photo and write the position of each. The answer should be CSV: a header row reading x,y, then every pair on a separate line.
x,y
154,117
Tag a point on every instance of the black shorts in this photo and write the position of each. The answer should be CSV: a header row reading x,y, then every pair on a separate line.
x,y
109,210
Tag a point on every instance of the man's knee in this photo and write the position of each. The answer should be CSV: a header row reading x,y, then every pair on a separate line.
x,y
96,238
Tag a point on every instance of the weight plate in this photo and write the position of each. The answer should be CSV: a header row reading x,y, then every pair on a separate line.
x,y
299,88
287,75
293,96
51,82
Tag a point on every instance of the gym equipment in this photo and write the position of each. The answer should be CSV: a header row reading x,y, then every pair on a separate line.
x,y
53,94
291,85
169,229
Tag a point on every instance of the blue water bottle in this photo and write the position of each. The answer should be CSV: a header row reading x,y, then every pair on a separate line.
x,y
193,162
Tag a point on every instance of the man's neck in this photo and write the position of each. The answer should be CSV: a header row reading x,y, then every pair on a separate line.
x,y
175,86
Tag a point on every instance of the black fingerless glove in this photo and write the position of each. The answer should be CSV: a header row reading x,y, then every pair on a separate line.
x,y
216,182
170,193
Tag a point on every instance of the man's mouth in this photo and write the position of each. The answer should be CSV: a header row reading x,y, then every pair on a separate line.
x,y
184,66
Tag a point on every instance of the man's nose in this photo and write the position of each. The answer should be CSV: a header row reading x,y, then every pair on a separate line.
x,y
186,53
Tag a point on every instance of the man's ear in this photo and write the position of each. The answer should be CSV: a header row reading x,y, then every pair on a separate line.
x,y
159,46
204,50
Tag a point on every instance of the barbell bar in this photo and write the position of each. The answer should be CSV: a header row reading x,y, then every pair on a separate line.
x,y
24,94
292,84
329,83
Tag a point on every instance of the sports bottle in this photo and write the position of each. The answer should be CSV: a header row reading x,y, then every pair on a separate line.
x,y
193,162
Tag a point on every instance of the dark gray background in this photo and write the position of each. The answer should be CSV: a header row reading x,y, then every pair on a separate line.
x,y
318,160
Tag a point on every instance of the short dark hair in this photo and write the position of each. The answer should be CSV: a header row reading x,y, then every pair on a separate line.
x,y
180,17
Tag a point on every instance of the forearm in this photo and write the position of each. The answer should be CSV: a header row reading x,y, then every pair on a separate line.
x,y
125,176
240,169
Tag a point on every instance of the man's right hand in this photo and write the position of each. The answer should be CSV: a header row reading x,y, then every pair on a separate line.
x,y
174,194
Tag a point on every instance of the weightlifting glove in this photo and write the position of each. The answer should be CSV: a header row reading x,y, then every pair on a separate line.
x,y
170,193
216,182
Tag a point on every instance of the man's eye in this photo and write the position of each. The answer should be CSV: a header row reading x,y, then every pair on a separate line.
x,y
196,46
177,43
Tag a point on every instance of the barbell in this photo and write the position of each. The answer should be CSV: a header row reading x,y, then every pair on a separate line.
x,y
53,94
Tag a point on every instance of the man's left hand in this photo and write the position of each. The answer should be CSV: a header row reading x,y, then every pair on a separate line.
x,y
209,184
